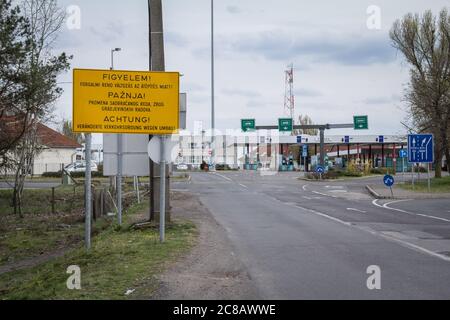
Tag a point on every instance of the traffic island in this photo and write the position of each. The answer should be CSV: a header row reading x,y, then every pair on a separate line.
x,y
402,191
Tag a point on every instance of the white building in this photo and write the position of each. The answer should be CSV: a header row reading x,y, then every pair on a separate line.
x,y
57,151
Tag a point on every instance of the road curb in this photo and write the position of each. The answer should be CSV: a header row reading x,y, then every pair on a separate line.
x,y
318,180
375,194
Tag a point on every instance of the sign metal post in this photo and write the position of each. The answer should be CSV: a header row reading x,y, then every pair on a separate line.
x,y
87,186
162,191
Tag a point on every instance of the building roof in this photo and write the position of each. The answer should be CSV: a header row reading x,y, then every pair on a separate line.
x,y
53,139
12,127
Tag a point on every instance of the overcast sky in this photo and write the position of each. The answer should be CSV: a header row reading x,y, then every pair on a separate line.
x,y
341,67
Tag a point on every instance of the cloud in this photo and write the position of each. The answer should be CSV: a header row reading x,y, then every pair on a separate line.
x,y
175,39
303,92
346,50
233,9
112,31
257,103
395,98
240,92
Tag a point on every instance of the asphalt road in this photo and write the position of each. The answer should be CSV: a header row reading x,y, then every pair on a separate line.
x,y
314,240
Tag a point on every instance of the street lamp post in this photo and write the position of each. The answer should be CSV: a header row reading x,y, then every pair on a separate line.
x,y
112,56
119,158
213,145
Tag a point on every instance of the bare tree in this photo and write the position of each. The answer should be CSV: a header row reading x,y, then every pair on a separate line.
x,y
305,120
40,90
66,129
425,43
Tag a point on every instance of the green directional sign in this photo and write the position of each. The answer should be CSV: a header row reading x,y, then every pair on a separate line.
x,y
247,124
285,124
360,122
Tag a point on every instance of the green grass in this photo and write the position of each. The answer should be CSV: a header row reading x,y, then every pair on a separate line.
x,y
120,259
437,185
39,231
38,201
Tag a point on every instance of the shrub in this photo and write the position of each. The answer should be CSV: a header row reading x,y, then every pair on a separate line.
x,y
52,174
382,170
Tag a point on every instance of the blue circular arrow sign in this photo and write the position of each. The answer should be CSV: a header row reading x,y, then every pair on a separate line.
x,y
388,180
320,169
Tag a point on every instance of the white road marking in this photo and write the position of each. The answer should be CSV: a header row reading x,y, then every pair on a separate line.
x,y
308,198
325,215
304,187
226,178
385,206
324,194
375,233
354,209
243,186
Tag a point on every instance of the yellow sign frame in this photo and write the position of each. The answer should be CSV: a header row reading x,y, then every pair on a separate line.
x,y
124,101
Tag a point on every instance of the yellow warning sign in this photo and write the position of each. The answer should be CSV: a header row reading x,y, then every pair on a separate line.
x,y
117,101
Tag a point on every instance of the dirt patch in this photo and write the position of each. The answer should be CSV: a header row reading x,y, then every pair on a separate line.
x,y
211,270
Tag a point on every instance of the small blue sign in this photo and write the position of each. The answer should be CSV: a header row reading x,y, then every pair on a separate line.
x,y
304,150
320,169
403,153
380,139
388,180
299,139
420,148
346,139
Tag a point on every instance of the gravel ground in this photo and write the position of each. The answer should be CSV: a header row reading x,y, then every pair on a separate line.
x,y
211,270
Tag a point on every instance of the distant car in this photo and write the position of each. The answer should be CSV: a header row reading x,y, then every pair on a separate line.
x,y
80,167
182,166
222,166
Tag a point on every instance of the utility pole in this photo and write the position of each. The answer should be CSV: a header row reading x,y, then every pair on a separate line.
x,y
151,164
156,44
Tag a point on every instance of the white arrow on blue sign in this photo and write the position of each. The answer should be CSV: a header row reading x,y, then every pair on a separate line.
x,y
388,180
320,169
420,148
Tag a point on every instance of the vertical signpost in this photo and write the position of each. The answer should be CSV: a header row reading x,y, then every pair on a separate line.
x,y
88,193
305,155
420,150
117,101
388,180
403,154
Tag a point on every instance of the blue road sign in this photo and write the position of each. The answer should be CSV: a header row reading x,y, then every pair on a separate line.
x,y
420,148
320,169
304,150
346,139
388,180
381,139
299,139
403,153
